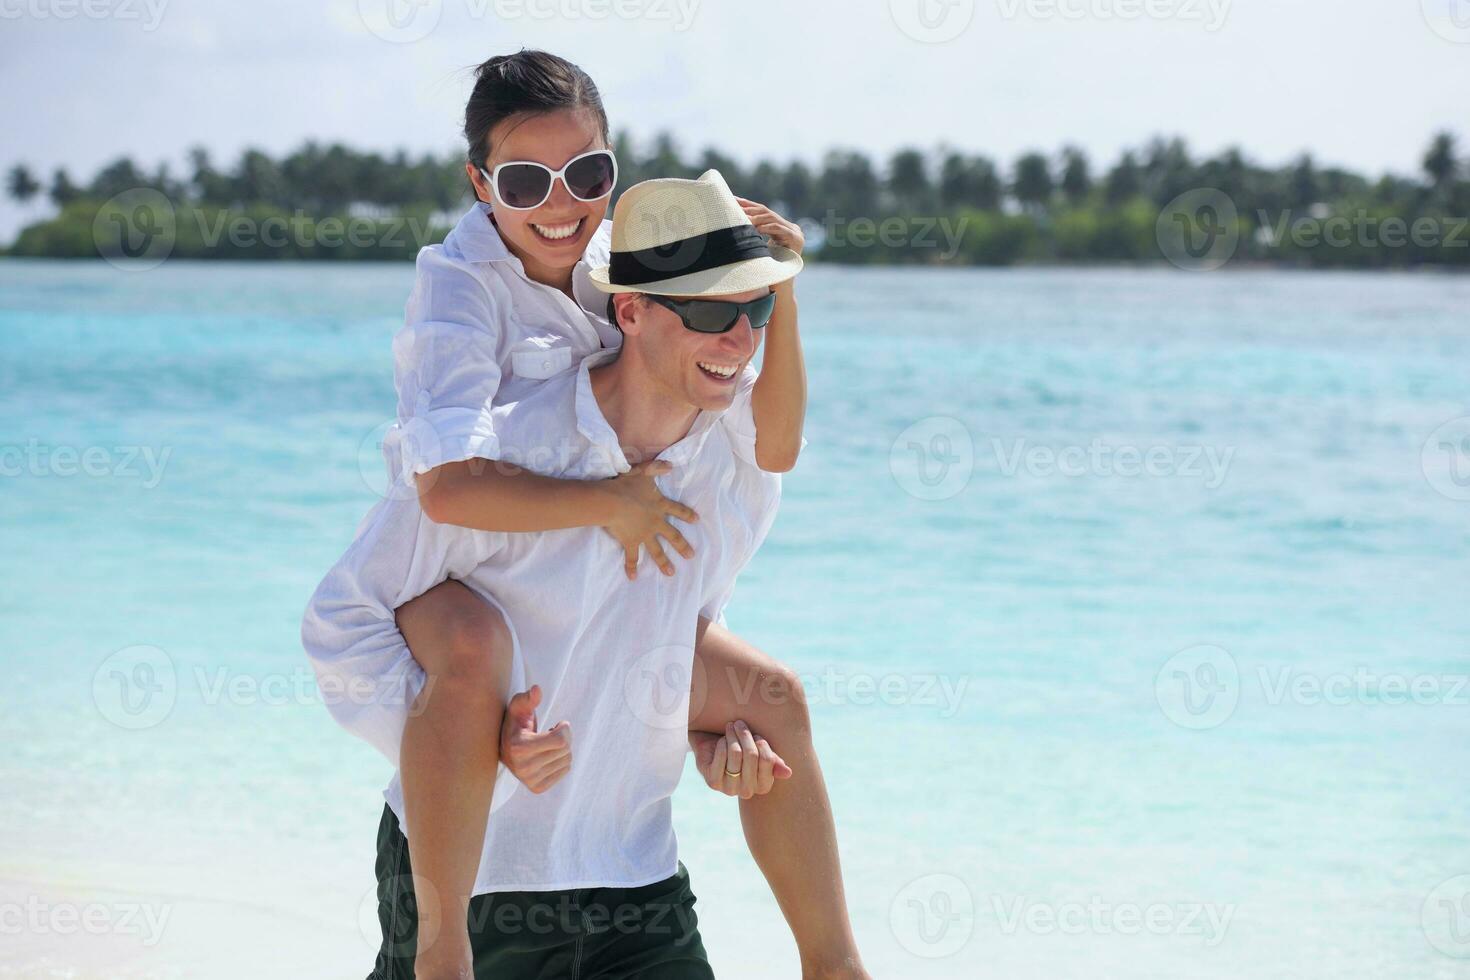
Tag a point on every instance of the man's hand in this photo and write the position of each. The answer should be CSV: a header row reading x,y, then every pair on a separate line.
x,y
641,517
537,759
737,763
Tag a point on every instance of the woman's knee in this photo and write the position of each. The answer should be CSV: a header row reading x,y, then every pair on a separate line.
x,y
782,689
744,684
457,637
477,644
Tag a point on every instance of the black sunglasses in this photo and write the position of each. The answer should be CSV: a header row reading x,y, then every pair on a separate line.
x,y
718,316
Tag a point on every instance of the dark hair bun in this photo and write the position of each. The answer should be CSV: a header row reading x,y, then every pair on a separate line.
x,y
527,81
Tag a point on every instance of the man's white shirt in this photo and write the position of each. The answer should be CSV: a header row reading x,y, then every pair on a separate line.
x,y
612,657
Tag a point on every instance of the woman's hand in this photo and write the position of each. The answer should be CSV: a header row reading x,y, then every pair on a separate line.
x,y
537,759
738,763
641,517
781,232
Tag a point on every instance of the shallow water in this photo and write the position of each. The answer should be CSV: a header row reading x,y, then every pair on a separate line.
x,y
1130,606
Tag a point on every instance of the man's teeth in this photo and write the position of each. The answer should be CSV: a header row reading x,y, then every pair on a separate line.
x,y
719,370
557,231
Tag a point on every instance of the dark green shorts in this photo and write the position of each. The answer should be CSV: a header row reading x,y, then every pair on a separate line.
x,y
649,932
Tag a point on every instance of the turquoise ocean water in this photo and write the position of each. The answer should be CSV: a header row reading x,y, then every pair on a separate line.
x,y
1132,607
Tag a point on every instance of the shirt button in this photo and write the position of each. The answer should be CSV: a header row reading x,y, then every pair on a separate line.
x,y
546,364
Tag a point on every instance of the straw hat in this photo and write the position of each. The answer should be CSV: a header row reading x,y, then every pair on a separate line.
x,y
674,237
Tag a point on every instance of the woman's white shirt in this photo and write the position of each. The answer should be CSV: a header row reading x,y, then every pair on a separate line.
x,y
477,330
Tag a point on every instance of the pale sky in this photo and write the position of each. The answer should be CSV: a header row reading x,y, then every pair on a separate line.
x,y
1360,83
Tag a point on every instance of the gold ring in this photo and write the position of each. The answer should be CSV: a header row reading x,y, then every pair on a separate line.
x,y
729,773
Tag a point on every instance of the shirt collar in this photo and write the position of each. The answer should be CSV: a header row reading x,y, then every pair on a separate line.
x,y
476,238
593,425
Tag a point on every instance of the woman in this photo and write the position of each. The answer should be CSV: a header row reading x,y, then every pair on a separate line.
x,y
495,309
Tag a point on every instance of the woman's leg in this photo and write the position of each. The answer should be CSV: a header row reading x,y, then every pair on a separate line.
x,y
790,830
449,758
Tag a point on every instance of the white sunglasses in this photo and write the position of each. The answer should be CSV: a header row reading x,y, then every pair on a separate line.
x,y
524,185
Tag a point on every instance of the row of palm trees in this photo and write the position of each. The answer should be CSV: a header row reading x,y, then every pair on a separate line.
x,y
323,180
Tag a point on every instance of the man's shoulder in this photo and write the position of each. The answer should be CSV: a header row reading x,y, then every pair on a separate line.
x,y
729,468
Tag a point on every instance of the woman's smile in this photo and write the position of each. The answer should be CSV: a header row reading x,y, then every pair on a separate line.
x,y
561,233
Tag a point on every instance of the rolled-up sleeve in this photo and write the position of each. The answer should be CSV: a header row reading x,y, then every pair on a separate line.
x,y
365,672
447,368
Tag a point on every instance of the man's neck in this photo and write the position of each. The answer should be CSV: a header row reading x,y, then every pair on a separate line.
x,y
646,416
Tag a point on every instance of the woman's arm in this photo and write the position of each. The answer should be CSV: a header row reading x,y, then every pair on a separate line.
x,y
494,496
447,370
778,401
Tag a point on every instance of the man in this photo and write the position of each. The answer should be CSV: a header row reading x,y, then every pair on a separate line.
x,y
584,878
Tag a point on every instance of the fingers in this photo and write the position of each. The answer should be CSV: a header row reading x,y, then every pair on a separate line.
x,y
771,224
750,756
675,509
541,759
715,774
672,535
527,747
549,777
783,235
734,762
759,214
656,552
661,467
521,711
665,532
767,769
744,765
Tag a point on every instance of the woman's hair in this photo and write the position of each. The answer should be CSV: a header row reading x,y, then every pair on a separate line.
x,y
527,81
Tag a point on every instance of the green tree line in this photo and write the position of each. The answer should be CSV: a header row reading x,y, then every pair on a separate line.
x,y
1153,203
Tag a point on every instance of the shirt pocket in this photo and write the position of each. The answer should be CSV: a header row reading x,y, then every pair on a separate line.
x,y
539,363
